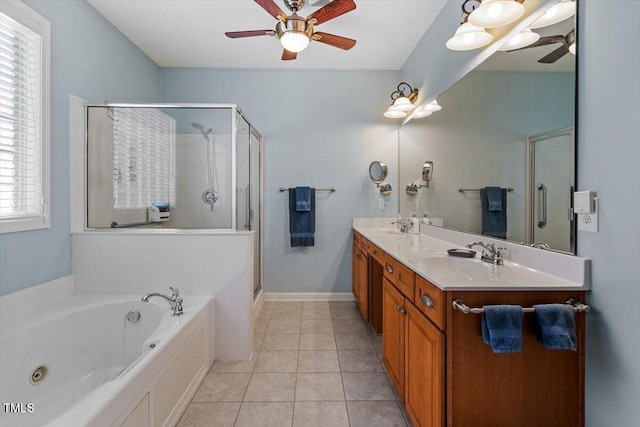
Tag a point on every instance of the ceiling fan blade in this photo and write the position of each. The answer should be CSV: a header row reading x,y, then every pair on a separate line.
x,y
253,33
273,9
332,10
289,56
555,55
333,40
542,41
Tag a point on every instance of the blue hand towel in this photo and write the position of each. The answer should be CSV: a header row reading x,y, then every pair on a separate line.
x,y
494,223
494,197
502,327
303,199
302,224
556,326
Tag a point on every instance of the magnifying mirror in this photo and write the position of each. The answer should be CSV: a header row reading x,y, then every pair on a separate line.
x,y
378,172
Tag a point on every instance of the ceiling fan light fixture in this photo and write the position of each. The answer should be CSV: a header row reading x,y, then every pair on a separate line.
x,y
525,38
468,37
557,13
294,41
496,13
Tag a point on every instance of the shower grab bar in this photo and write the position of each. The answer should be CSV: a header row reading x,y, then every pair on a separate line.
x,y
463,190
459,305
330,190
134,224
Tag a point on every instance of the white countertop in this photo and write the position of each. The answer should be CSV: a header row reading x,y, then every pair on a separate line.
x,y
427,256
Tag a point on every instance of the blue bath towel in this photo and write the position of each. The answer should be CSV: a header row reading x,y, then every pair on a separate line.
x,y
494,222
502,327
303,199
302,224
555,326
494,197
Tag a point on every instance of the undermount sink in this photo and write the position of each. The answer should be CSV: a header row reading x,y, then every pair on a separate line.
x,y
462,265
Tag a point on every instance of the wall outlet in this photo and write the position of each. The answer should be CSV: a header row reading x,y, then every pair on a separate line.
x,y
382,203
589,221
416,204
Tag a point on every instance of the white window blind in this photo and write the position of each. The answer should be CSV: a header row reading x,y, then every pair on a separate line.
x,y
144,152
23,130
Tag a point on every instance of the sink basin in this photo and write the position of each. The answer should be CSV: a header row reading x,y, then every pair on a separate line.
x,y
461,265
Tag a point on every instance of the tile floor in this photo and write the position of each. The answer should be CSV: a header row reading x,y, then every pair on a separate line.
x,y
316,364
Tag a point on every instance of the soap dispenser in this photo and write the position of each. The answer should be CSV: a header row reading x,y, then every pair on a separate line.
x,y
415,224
425,218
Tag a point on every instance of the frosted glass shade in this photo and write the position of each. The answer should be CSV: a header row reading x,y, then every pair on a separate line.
x,y
555,14
496,13
525,38
422,112
468,37
395,114
294,41
402,104
572,48
433,106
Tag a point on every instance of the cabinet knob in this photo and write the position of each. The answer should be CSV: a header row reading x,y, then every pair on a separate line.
x,y
427,300
363,247
389,268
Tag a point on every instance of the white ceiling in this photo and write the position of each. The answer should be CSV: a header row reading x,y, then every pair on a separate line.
x,y
190,33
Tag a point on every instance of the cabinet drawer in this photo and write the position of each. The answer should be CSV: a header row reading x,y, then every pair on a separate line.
x,y
357,237
377,253
400,275
429,299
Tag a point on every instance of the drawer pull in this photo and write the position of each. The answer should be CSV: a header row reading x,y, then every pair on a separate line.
x,y
389,268
427,300
401,309
363,247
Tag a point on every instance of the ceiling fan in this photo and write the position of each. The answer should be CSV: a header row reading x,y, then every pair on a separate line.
x,y
295,32
568,45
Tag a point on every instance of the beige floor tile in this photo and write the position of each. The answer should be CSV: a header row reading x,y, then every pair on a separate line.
x,y
288,304
265,314
321,326
342,304
377,342
265,414
346,313
367,386
316,313
284,327
375,414
353,342
320,414
318,361
260,325
210,415
319,387
286,314
271,388
350,326
281,342
268,304
317,342
277,361
359,361
257,341
233,367
315,304
222,388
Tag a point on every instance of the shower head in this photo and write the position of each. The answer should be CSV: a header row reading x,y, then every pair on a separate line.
x,y
197,126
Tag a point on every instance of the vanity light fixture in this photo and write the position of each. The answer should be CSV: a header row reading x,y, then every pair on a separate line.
x,y
572,48
523,39
469,37
555,14
402,101
433,106
496,13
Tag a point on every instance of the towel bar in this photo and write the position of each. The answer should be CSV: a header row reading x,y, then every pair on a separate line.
x,y
331,190
459,305
462,190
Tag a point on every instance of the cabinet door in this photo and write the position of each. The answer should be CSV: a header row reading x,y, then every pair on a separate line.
x,y
393,327
424,374
363,285
355,271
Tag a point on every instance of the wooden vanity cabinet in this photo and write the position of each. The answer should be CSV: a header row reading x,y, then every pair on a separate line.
x,y
360,273
393,338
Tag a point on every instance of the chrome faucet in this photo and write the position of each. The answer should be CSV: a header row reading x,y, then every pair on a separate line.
x,y
175,300
491,253
404,224
540,245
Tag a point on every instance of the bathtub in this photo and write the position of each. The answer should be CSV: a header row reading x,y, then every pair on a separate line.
x,y
85,362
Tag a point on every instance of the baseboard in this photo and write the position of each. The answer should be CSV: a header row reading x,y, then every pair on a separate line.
x,y
256,307
308,296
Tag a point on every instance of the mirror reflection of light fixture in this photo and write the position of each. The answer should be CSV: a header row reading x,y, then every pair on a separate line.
x,y
402,100
558,12
496,13
525,38
469,37
572,48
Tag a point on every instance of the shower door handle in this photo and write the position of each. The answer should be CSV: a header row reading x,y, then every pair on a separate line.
x,y
247,191
542,216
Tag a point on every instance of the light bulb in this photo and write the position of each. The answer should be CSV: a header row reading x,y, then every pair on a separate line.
x,y
496,13
294,41
525,38
557,13
469,36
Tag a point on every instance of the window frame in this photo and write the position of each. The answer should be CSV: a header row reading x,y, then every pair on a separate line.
x,y
35,22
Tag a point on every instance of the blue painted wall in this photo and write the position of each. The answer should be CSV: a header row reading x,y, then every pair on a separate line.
x,y
321,128
91,59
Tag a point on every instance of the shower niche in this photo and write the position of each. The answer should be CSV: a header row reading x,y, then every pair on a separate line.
x,y
172,167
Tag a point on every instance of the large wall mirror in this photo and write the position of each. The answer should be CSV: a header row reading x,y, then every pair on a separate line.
x,y
507,124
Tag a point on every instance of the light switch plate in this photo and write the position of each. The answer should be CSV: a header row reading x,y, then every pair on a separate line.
x,y
589,221
416,204
382,203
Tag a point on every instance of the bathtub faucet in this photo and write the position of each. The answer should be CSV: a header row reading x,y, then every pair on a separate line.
x,y
175,300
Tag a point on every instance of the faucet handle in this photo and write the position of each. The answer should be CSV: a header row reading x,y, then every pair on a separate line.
x,y
175,292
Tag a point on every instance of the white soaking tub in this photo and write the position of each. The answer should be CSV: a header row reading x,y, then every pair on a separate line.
x,y
84,363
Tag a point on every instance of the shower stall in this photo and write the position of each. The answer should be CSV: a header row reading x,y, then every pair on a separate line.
x,y
173,167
